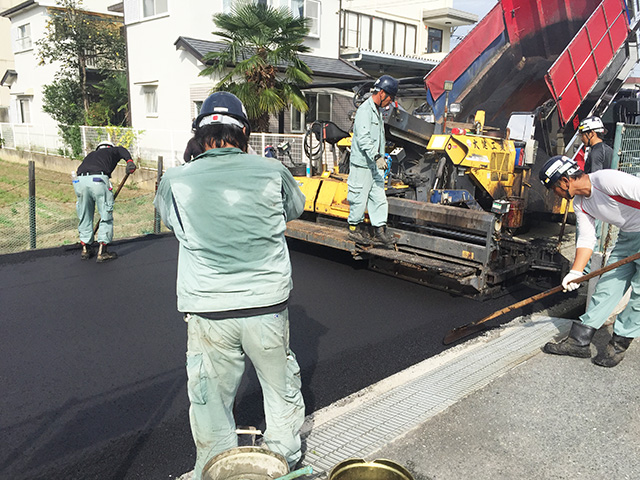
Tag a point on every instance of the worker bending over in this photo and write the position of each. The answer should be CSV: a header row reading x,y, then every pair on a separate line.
x,y
93,189
366,172
228,209
613,197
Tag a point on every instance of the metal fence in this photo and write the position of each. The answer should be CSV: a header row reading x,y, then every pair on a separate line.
x,y
37,209
145,145
49,219
626,158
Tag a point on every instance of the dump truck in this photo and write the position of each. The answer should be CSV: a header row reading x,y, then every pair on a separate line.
x,y
462,185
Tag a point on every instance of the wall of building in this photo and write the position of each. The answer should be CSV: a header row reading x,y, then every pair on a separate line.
x,y
175,74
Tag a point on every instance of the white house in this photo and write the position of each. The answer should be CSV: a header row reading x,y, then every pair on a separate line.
x,y
167,40
6,59
27,77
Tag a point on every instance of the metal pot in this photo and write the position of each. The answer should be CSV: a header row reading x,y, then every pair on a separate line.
x,y
245,463
359,469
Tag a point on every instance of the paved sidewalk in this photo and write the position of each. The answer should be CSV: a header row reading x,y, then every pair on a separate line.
x,y
493,408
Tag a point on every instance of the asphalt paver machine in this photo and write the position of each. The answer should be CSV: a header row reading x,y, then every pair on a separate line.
x,y
463,178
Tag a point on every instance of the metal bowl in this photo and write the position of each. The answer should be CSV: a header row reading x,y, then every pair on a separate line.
x,y
359,469
245,463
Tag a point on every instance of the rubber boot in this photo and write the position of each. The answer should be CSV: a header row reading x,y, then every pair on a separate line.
x,y
104,255
359,234
86,253
613,352
382,238
577,344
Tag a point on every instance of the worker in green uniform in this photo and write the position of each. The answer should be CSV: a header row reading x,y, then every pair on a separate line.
x,y
228,209
367,165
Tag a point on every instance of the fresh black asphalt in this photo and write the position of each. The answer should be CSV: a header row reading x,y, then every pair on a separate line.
x,y
92,355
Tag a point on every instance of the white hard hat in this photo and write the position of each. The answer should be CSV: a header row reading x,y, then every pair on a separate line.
x,y
591,124
104,144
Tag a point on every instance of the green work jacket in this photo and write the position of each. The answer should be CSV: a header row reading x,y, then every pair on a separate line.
x,y
229,209
368,135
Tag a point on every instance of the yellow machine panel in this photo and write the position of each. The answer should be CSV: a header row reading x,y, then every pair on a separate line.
x,y
489,161
326,194
332,198
310,187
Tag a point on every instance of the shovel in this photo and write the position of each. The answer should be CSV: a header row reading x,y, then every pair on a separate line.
x,y
473,327
115,195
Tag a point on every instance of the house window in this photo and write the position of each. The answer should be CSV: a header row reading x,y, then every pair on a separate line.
x,y
312,12
24,109
150,93
198,105
23,37
434,40
411,40
319,110
377,34
309,9
151,8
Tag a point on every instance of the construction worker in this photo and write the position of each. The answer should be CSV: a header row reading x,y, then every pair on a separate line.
x,y
228,209
93,189
613,197
599,155
367,166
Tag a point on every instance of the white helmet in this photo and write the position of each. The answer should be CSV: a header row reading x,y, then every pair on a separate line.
x,y
555,168
591,124
104,144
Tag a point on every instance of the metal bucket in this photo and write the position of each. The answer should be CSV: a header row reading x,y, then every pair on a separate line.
x,y
245,463
359,469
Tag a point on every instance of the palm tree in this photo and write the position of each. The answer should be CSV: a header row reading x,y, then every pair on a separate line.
x,y
260,41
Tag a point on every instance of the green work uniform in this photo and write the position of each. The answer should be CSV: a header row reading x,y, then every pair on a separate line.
x,y
228,209
366,181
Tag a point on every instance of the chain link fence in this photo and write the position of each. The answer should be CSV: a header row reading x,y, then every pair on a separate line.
x,y
626,158
49,219
145,145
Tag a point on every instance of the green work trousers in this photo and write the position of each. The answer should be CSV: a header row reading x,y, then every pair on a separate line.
x,y
612,286
94,191
366,193
215,364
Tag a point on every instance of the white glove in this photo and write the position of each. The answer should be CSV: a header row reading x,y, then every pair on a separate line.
x,y
572,275
381,162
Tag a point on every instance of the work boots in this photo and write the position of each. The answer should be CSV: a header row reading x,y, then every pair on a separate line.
x,y
382,238
104,255
87,252
577,344
614,351
359,234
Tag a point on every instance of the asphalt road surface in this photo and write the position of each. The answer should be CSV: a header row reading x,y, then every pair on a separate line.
x,y
92,377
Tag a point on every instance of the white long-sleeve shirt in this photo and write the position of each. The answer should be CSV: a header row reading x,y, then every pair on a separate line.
x,y
615,199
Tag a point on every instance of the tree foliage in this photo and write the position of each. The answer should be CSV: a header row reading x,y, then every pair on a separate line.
x,y
260,63
76,40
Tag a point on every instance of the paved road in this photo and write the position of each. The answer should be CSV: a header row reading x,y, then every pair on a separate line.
x,y
92,372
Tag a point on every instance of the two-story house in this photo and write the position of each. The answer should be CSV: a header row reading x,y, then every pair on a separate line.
x,y
27,77
6,60
167,41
